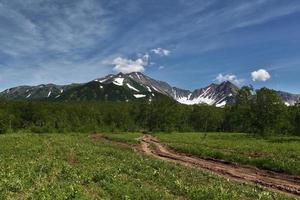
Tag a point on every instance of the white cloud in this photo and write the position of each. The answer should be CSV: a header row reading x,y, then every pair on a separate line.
x,y
260,75
125,65
229,77
161,51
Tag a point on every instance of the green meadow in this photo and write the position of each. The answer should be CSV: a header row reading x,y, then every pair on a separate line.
x,y
74,166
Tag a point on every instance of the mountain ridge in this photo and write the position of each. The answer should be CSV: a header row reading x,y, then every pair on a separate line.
x,y
132,87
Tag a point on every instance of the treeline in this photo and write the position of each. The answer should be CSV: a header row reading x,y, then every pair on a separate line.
x,y
263,113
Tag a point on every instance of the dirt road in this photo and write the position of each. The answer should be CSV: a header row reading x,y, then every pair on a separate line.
x,y
242,173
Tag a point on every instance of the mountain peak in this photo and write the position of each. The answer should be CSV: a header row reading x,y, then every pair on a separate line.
x,y
120,73
227,83
135,73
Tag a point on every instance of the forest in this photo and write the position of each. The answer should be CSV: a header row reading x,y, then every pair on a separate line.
x,y
259,112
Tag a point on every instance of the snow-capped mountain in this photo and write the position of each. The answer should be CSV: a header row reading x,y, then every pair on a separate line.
x,y
159,86
132,87
214,94
288,98
119,87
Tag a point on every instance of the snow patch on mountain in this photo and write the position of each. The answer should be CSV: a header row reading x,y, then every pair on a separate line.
x,y
155,89
198,100
202,98
131,87
100,80
221,105
137,74
139,95
118,81
149,89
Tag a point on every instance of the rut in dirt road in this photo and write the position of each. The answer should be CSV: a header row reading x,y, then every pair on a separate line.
x,y
281,182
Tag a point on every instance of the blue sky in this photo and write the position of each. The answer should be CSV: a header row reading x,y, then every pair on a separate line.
x,y
188,43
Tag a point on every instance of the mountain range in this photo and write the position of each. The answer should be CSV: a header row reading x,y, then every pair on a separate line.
x,y
133,86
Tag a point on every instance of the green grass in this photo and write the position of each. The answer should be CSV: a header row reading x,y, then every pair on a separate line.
x,y
277,153
73,166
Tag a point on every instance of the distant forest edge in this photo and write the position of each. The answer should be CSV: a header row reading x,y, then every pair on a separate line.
x,y
262,113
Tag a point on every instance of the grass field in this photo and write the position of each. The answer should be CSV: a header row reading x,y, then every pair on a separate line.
x,y
277,153
73,166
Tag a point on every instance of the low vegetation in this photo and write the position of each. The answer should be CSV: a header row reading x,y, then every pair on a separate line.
x,y
76,166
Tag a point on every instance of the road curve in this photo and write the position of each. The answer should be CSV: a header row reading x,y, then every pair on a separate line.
x,y
276,181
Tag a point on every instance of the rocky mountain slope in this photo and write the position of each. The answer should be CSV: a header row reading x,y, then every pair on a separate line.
x,y
49,91
288,98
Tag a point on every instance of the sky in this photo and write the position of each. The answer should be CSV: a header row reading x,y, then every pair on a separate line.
x,y
187,43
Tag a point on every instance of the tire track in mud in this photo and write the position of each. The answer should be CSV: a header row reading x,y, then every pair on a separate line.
x,y
287,184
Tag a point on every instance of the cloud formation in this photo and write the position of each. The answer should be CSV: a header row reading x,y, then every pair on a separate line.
x,y
260,75
127,65
229,77
161,51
